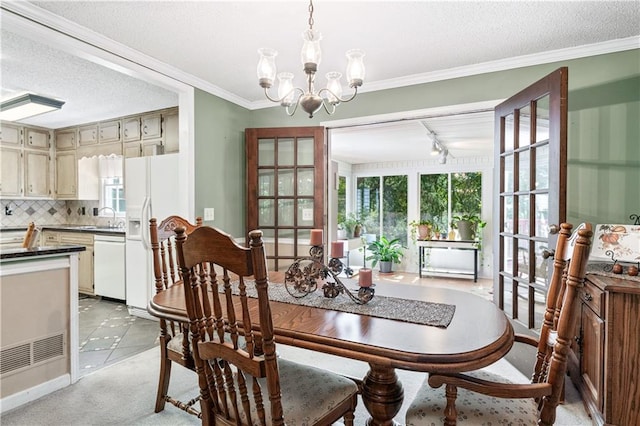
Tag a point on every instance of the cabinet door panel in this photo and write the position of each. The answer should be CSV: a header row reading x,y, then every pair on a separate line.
x,y
110,132
171,133
66,139
151,126
36,138
131,129
66,175
132,150
10,134
36,174
88,135
592,355
11,174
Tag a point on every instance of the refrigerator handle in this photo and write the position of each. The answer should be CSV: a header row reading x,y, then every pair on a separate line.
x,y
144,233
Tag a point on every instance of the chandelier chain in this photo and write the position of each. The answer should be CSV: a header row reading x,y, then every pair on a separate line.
x,y
311,14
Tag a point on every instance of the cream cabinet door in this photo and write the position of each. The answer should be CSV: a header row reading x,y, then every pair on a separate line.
x,y
36,174
10,134
110,131
36,138
132,149
131,129
66,139
88,135
66,179
151,126
85,258
151,148
11,174
171,133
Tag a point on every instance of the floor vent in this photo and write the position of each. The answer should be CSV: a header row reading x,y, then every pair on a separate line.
x,y
26,355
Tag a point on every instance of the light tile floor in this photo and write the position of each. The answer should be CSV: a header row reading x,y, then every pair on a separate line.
x,y
109,334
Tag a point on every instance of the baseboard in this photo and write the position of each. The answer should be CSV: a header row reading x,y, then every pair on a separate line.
x,y
142,313
20,398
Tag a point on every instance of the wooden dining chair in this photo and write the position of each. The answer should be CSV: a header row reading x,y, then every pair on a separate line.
x,y
489,399
242,381
174,343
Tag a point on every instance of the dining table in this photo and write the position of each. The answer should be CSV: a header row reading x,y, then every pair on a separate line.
x,y
478,334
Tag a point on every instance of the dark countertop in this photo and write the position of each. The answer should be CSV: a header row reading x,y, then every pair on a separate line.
x,y
105,230
14,253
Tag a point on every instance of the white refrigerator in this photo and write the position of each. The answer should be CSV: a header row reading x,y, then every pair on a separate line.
x,y
152,188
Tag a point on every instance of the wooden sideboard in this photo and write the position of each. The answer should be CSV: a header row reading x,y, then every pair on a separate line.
x,y
605,357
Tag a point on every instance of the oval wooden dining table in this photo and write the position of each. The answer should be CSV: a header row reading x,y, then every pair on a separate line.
x,y
478,335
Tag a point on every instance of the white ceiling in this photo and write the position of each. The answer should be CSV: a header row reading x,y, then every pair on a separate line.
x,y
212,45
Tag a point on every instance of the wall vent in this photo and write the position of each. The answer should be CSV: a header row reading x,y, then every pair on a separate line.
x,y
26,355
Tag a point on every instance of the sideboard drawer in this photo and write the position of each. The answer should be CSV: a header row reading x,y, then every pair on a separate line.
x,y
593,297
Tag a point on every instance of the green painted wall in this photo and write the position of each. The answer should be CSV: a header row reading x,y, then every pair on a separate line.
x,y
219,161
220,125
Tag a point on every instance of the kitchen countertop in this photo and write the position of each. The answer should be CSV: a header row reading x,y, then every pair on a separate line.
x,y
14,253
73,228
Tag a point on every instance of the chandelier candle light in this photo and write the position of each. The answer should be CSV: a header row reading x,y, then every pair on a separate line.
x,y
310,100
304,274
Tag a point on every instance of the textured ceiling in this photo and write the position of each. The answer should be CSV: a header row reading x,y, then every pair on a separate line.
x,y
212,45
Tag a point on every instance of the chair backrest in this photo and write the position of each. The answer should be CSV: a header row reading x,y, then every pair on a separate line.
x,y
165,265
218,273
569,270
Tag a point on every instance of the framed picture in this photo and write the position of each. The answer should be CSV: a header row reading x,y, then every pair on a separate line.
x,y
616,242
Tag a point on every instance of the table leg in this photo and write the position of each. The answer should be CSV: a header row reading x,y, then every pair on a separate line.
x,y
382,395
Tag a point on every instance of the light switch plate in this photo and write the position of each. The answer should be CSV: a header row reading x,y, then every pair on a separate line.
x,y
208,213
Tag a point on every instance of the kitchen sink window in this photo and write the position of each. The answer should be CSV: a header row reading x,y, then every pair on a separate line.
x,y
112,184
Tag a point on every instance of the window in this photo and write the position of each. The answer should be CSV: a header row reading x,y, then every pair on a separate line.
x,y
382,205
445,195
342,198
113,195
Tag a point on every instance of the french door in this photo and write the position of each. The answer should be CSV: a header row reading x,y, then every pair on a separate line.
x,y
285,189
531,171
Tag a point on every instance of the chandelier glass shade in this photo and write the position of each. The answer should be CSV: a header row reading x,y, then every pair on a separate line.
x,y
308,98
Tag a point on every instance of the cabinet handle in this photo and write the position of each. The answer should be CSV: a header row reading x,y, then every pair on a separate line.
x,y
548,254
30,140
144,129
126,133
588,297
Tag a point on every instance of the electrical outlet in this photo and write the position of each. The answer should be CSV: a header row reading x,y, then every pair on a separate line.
x,y
208,213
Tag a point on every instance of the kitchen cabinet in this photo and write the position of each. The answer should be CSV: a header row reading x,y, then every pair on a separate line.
x,y
66,175
65,139
11,174
109,131
151,126
131,129
11,134
605,352
88,135
151,148
85,259
132,149
171,133
36,138
36,166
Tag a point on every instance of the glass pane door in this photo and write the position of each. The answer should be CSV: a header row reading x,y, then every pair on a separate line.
x,y
531,147
285,176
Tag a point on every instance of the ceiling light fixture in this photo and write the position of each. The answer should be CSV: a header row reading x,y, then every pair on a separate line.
x,y
310,100
27,105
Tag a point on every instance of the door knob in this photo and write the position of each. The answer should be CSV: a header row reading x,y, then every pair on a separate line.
x,y
548,254
554,229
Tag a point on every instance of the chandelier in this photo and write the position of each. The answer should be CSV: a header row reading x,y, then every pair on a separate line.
x,y
310,100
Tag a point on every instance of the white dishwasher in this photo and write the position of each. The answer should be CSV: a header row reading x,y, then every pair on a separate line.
x,y
108,266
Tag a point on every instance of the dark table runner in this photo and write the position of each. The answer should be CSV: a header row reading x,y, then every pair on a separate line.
x,y
415,311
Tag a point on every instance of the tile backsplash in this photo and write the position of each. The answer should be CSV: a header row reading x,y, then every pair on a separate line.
x,y
51,212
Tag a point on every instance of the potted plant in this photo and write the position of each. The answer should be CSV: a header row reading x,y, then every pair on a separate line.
x,y
468,224
421,230
353,225
385,251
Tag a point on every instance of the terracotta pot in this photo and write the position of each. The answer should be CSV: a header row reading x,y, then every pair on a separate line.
x,y
424,232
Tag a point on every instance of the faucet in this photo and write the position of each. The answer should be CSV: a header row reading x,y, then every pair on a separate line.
x,y
112,211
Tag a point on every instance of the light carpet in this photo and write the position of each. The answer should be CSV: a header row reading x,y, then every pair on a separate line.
x,y
124,393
